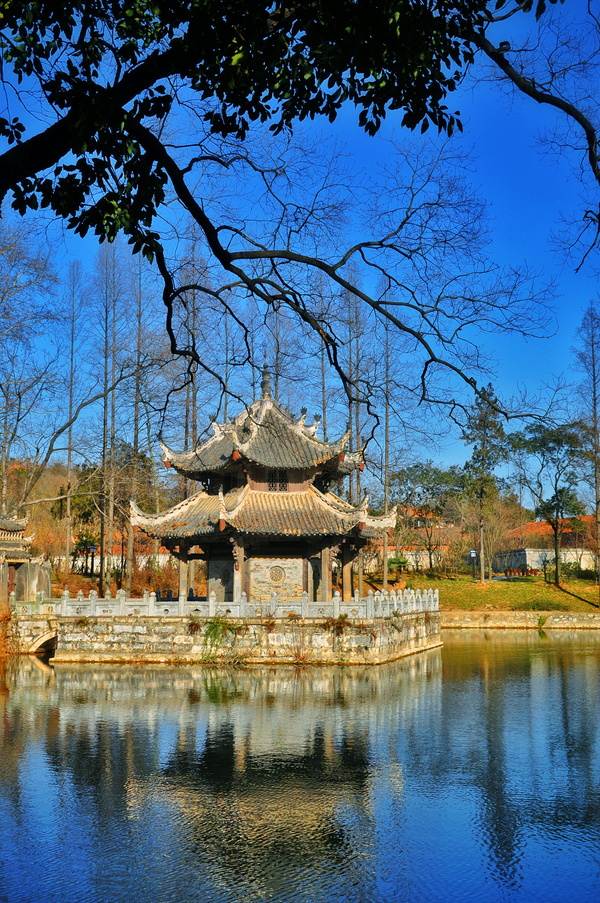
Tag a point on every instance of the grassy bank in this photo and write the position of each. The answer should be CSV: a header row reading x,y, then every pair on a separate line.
x,y
514,593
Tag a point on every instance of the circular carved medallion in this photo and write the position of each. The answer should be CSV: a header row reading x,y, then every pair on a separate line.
x,y
277,574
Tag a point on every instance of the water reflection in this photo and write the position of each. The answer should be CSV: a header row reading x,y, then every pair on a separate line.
x,y
468,772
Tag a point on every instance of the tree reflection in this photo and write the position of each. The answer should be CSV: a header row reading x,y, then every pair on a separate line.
x,y
257,779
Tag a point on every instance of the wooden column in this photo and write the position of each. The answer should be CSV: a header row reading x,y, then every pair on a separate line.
x,y
325,574
191,575
246,576
183,570
347,557
361,587
305,575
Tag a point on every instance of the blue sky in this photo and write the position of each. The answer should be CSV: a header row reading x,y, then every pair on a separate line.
x,y
527,192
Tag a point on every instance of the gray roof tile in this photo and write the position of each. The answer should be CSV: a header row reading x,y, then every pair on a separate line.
x,y
267,435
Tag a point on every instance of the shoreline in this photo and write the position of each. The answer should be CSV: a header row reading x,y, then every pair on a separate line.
x,y
458,619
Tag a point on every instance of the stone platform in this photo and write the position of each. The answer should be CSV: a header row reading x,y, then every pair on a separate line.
x,y
268,640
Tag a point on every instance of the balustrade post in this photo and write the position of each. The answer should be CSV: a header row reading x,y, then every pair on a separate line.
x,y
304,605
336,604
152,604
64,599
212,604
377,609
370,606
93,597
243,605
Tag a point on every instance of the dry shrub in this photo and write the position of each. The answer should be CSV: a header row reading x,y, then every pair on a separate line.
x,y
155,578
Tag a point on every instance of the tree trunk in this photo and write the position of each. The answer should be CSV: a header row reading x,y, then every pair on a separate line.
x,y
73,327
481,551
386,452
557,555
130,557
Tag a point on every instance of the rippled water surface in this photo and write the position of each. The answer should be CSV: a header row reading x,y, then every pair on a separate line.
x,y
468,773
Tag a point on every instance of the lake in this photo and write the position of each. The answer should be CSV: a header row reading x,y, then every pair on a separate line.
x,y
471,772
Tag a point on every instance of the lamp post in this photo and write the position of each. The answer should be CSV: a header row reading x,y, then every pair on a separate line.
x,y
92,552
473,554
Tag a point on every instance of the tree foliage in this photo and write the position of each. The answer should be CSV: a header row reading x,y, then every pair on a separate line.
x,y
117,84
427,496
484,431
550,458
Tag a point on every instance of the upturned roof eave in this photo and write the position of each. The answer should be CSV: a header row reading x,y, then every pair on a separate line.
x,y
318,453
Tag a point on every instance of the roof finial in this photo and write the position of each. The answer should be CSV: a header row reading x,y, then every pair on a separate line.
x,y
265,383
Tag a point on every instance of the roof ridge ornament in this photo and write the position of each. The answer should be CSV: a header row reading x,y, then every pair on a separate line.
x,y
265,383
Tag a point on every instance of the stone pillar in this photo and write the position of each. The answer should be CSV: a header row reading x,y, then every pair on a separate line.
x,y
370,605
183,571
346,573
238,572
336,604
304,605
191,576
325,575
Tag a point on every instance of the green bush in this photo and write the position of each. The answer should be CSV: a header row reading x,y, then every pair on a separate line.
x,y
397,563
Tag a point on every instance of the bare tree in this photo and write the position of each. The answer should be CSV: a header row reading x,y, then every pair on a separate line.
x,y
556,63
587,357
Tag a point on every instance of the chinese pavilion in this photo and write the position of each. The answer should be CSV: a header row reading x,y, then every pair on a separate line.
x,y
19,573
265,519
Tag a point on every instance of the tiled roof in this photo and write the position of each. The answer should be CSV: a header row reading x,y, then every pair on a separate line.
x,y
267,435
247,511
542,528
12,525
196,516
305,513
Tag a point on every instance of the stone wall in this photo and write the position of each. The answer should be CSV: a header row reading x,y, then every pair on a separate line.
x,y
176,639
275,575
521,620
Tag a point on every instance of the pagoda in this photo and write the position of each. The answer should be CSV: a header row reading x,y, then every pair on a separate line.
x,y
265,519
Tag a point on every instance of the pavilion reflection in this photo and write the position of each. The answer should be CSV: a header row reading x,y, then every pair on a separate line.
x,y
279,766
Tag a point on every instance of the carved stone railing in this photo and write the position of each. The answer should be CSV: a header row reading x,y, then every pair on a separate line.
x,y
373,605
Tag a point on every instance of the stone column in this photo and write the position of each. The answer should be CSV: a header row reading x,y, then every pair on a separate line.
x,y
238,572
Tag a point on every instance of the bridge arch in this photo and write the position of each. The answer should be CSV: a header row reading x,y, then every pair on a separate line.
x,y
45,642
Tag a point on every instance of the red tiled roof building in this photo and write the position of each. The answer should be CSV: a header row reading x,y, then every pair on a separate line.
x,y
265,520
